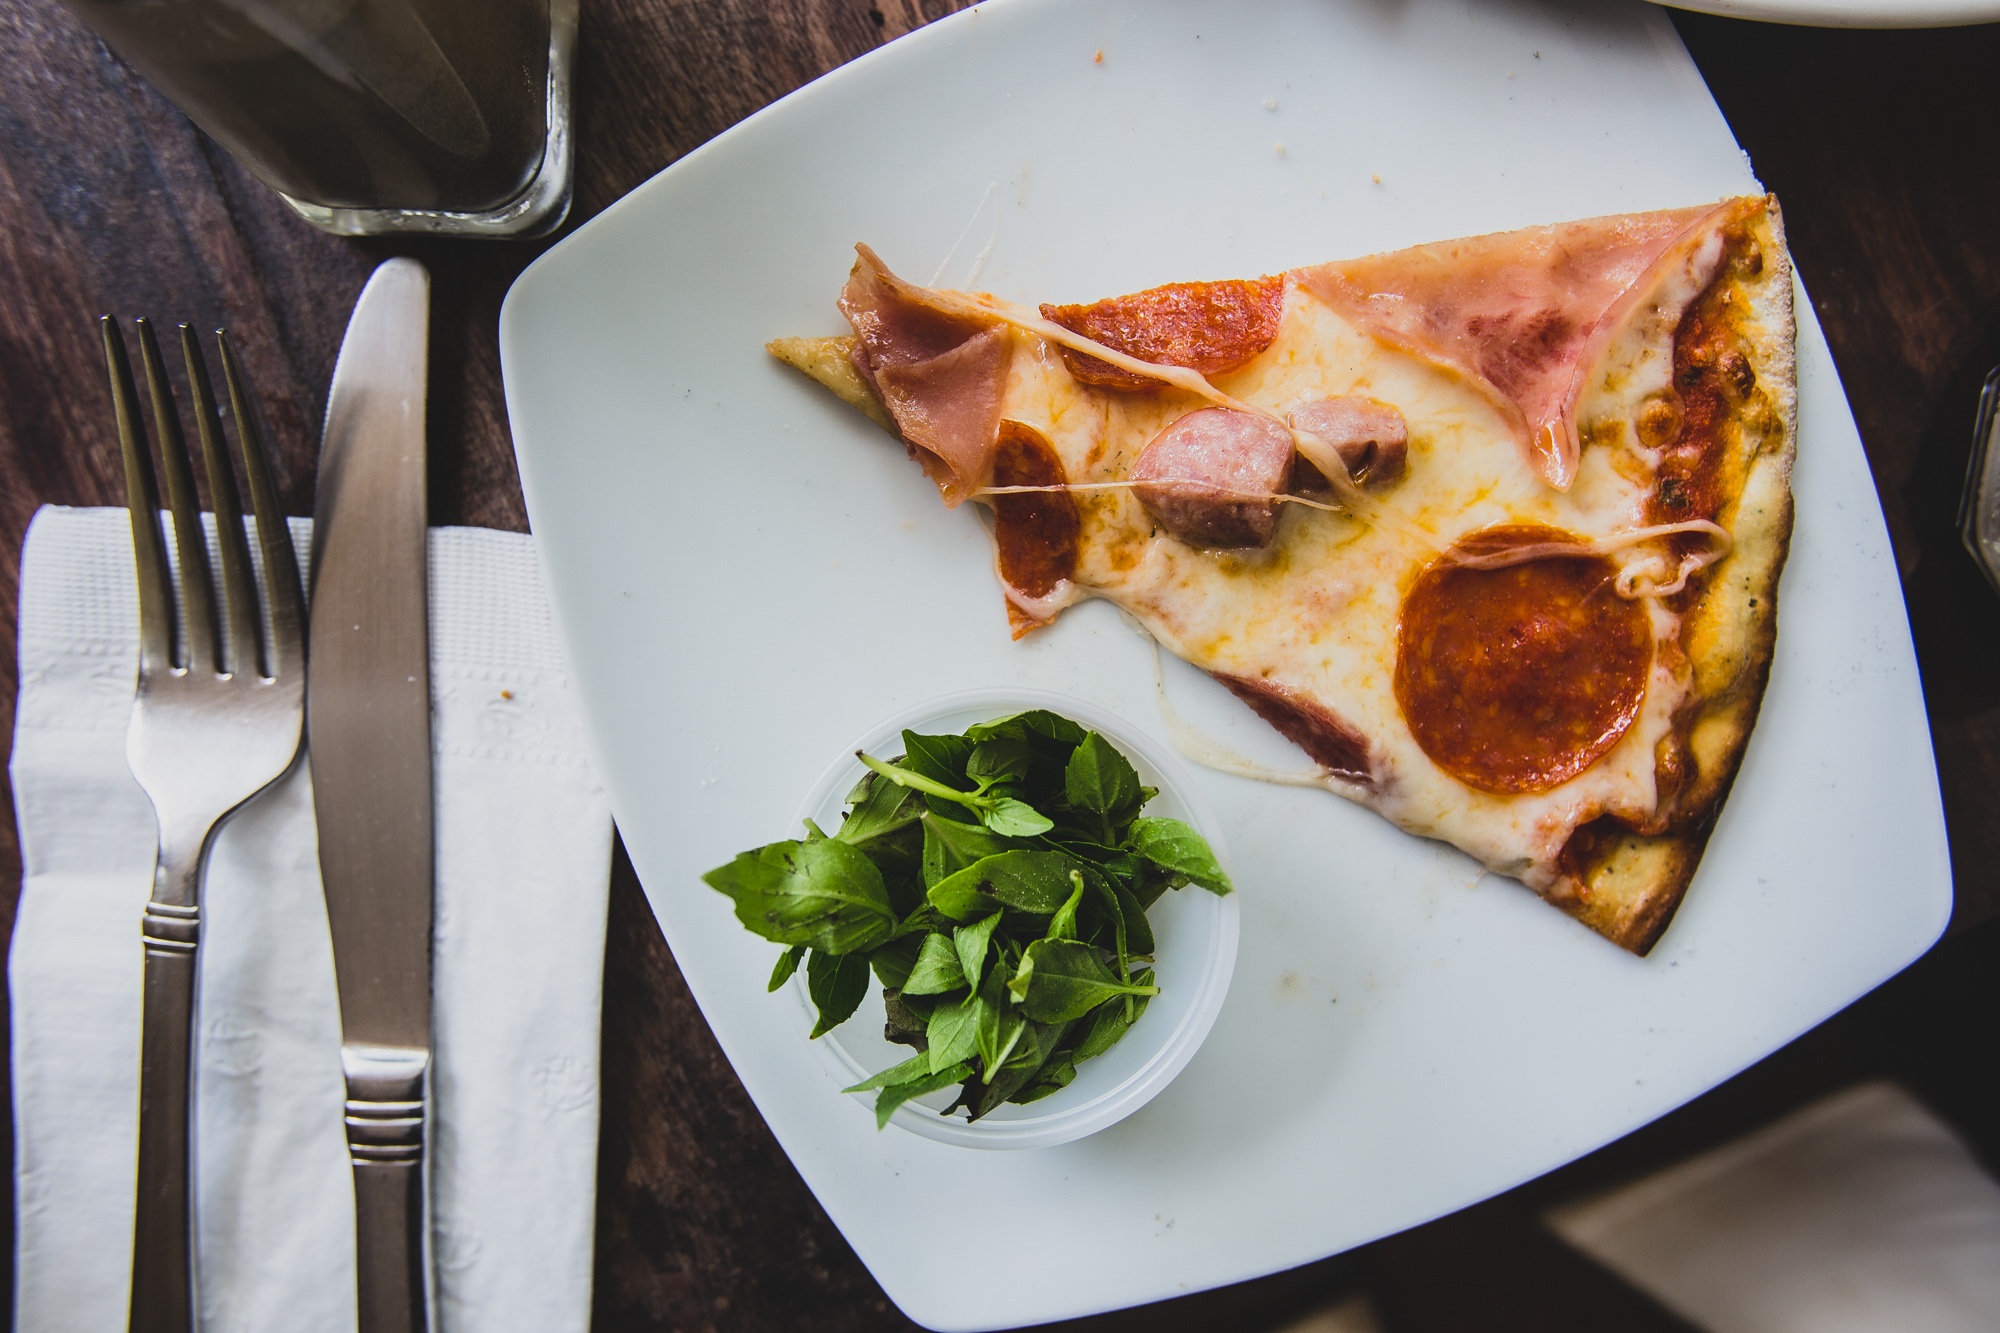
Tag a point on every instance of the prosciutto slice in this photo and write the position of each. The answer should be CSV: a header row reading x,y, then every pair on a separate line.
x,y
940,374
1525,314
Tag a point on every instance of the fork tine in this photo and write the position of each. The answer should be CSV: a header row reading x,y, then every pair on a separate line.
x,y
149,549
274,535
239,585
198,638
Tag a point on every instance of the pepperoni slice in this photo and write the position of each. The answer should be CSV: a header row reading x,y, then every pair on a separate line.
x,y
1037,531
1203,326
1516,679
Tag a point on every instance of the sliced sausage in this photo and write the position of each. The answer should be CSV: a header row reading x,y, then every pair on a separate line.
x,y
1371,438
1212,477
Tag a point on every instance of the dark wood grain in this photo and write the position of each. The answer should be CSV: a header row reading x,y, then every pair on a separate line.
x,y
1880,146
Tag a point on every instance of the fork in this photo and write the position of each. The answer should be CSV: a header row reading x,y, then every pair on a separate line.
x,y
218,717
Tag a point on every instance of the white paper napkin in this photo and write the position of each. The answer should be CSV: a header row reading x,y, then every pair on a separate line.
x,y
523,851
1861,1213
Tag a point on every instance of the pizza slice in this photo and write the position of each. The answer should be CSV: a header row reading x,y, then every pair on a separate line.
x,y
1490,528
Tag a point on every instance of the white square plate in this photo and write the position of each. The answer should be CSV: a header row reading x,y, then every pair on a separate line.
x,y
748,575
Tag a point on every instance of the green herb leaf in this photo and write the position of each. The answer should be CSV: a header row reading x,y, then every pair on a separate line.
x,y
963,896
1000,1027
880,808
1109,1022
1027,880
950,845
1011,818
788,963
1138,930
940,758
895,1095
1062,926
892,961
1000,759
1035,721
1101,780
826,894
1002,814
937,969
971,943
838,983
906,1023
954,1032
1114,908
1059,981
1037,1042
917,1066
1178,849
1053,1077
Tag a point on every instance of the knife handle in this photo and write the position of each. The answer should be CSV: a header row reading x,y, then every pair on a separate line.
x,y
162,1242
385,1140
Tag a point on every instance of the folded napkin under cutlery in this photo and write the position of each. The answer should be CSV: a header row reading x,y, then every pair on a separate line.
x,y
523,839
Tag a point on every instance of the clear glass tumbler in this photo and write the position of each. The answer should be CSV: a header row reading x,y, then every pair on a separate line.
x,y
373,116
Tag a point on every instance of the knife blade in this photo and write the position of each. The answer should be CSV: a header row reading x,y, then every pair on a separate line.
x,y
369,746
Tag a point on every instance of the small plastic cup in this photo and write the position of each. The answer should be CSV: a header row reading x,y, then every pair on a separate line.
x,y
1195,933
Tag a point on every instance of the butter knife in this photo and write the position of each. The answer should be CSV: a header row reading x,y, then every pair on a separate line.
x,y
368,725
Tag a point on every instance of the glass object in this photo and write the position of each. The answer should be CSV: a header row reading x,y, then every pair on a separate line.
x,y
373,116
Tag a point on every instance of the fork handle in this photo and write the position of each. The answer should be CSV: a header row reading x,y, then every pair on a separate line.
x,y
162,1243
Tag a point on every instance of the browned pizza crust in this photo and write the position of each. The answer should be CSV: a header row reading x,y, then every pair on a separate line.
x,y
1627,884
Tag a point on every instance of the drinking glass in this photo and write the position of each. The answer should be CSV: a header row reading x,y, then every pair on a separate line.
x,y
373,116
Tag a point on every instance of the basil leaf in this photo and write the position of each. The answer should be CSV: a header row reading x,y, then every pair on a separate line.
x,y
892,961
880,808
826,894
1000,1027
1035,721
1011,818
905,1024
1100,779
899,856
896,1094
950,845
1175,847
937,969
1056,1076
1120,932
1038,1041
939,758
1138,930
1062,926
971,944
1109,1022
953,1032
788,963
1028,880
838,983
1000,759
917,1066
1059,981
963,897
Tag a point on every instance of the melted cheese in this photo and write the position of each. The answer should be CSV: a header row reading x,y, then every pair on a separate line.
x,y
1318,610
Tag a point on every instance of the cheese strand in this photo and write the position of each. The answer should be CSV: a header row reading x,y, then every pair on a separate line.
x,y
1311,447
1199,749
1327,460
1628,584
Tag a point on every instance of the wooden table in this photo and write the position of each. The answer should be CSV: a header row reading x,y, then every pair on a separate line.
x,y
1881,145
